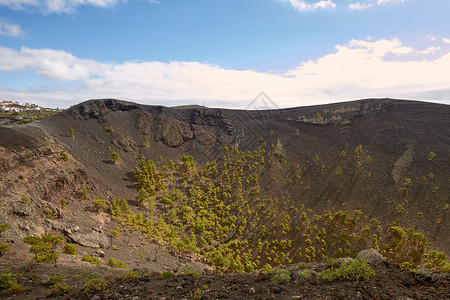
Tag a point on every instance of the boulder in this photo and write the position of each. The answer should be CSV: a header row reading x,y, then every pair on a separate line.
x,y
94,239
279,148
206,138
371,256
174,132
22,210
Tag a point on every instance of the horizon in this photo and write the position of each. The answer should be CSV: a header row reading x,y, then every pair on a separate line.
x,y
224,53
264,106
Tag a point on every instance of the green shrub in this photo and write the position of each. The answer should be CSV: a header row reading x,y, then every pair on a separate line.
x,y
3,227
115,157
7,280
55,279
407,265
25,199
187,270
281,276
32,240
50,214
113,263
431,156
44,248
304,274
85,194
3,248
70,249
100,204
58,288
91,259
165,275
95,285
266,268
423,272
63,203
353,270
17,289
129,276
64,156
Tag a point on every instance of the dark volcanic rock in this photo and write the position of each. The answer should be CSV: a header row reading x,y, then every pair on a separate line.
x,y
206,138
174,132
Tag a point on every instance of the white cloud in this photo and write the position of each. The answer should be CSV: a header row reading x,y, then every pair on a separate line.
x,y
431,50
303,6
447,41
9,29
366,4
358,69
51,64
360,6
59,6
388,1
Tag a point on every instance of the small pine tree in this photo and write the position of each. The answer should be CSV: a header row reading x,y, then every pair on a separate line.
x,y
63,203
3,227
4,248
72,132
113,263
115,157
85,194
44,248
64,156
70,249
431,156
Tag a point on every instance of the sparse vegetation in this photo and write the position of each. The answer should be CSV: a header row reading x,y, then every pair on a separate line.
x,y
91,259
354,270
113,263
63,203
64,156
70,249
281,276
3,227
7,280
165,275
72,132
187,270
95,285
431,156
85,194
4,248
304,274
115,157
44,248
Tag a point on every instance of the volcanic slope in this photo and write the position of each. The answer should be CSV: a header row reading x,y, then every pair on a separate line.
x,y
237,190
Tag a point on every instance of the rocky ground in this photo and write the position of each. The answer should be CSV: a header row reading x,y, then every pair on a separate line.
x,y
390,282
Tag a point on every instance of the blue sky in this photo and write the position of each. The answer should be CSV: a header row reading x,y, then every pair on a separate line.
x,y
223,52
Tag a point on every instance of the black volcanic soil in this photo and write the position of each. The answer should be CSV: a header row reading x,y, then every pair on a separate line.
x,y
390,282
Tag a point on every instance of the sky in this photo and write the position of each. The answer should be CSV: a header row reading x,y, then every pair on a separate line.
x,y
223,53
